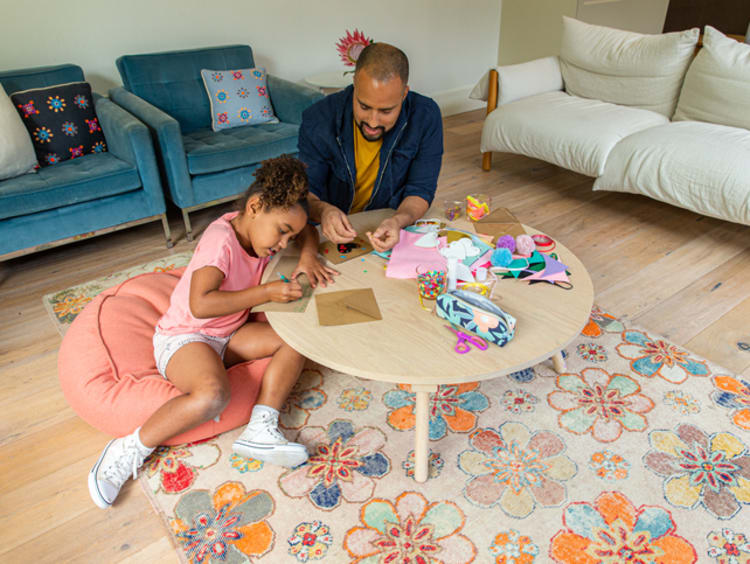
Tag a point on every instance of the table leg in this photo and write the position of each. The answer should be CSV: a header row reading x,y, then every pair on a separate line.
x,y
421,431
559,363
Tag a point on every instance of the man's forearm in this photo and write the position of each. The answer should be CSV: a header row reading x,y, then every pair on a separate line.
x,y
317,206
410,210
308,240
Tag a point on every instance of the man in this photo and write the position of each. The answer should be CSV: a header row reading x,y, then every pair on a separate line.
x,y
373,145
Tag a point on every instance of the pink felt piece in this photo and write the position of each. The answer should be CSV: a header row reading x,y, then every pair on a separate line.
x,y
107,369
406,256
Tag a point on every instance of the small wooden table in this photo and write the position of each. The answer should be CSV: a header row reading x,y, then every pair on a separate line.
x,y
411,346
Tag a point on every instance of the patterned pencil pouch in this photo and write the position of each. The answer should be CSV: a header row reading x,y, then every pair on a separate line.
x,y
475,313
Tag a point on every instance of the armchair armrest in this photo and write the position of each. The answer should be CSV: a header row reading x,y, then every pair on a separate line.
x,y
520,81
169,137
128,139
289,99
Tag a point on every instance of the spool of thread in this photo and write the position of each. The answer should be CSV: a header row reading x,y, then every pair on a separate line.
x,y
544,243
506,242
501,257
525,245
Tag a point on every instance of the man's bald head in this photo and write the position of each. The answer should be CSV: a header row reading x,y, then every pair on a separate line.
x,y
383,62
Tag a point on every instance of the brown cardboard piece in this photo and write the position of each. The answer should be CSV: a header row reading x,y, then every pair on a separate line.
x,y
498,223
331,253
347,306
286,266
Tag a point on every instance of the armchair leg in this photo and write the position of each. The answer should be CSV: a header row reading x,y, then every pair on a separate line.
x,y
167,232
487,160
188,227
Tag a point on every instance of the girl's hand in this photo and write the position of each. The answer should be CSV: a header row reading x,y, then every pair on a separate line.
x,y
280,291
316,271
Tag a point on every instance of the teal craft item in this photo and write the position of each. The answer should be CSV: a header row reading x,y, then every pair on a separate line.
x,y
473,312
238,97
386,255
501,257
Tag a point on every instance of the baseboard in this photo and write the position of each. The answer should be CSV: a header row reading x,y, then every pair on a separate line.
x,y
456,100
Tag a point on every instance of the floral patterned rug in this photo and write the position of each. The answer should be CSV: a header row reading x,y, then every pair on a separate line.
x,y
639,453
65,305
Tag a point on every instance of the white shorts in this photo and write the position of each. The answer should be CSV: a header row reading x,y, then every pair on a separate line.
x,y
166,345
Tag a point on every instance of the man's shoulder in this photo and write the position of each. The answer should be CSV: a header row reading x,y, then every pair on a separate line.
x,y
423,105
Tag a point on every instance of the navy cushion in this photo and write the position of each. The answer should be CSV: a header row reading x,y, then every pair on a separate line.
x,y
77,180
62,122
214,151
172,81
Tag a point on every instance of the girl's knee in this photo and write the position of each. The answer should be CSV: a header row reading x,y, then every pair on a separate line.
x,y
211,400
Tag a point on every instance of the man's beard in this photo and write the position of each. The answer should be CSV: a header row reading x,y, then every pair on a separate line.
x,y
361,127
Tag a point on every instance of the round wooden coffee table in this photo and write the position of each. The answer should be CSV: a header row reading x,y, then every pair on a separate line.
x,y
412,346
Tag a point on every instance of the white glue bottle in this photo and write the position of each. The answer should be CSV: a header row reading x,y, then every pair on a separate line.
x,y
452,267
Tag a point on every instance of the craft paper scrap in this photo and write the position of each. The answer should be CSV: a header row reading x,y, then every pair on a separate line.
x,y
346,307
406,256
342,252
286,266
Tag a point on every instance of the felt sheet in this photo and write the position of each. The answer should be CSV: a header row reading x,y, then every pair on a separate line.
x,y
356,248
347,306
406,256
286,266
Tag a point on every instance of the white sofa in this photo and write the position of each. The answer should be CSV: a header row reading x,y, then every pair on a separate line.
x,y
640,113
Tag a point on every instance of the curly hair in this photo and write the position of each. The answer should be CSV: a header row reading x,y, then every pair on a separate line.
x,y
281,182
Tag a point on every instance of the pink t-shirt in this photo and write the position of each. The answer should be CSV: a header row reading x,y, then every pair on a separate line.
x,y
217,247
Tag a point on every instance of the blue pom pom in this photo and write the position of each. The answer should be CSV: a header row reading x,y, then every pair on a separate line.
x,y
501,257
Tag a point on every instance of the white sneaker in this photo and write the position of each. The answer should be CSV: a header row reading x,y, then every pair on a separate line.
x,y
262,440
119,460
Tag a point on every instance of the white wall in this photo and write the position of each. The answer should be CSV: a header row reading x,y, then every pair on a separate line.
x,y
450,44
642,16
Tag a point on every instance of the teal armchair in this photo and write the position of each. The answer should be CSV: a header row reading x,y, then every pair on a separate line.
x,y
86,196
202,167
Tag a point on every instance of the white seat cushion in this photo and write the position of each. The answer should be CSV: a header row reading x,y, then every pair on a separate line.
x,y
574,133
699,166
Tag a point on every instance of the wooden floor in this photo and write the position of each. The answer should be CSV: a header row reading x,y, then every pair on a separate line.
x,y
674,272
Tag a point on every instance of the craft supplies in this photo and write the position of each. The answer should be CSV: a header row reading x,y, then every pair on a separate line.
x,y
477,287
506,242
406,256
430,284
283,278
525,245
544,243
464,341
501,257
452,209
477,206
476,313
480,274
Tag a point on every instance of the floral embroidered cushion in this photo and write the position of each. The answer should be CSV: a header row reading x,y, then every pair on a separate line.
x,y
238,97
61,120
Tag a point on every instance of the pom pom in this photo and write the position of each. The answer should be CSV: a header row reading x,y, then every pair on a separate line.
x,y
525,245
501,257
506,242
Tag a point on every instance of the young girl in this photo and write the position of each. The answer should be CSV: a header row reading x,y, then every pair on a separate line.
x,y
205,329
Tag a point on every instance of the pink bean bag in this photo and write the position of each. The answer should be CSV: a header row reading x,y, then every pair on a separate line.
x,y
107,368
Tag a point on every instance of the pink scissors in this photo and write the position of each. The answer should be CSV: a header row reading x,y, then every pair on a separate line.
x,y
465,340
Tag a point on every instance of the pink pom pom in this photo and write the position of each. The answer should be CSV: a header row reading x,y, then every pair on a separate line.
x,y
506,242
525,245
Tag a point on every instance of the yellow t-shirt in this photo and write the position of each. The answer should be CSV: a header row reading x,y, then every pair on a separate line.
x,y
367,162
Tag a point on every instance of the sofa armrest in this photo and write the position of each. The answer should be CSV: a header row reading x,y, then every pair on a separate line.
x,y
520,81
129,140
289,99
169,138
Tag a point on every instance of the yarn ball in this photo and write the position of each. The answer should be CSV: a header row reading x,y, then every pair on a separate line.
x,y
525,245
501,257
506,242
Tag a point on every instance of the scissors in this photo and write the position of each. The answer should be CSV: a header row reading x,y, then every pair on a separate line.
x,y
465,340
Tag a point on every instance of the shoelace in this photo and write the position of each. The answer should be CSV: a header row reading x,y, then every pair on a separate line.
x,y
117,472
273,427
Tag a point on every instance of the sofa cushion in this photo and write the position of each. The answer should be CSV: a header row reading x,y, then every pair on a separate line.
x,y
107,369
622,67
238,97
77,180
699,166
16,151
717,85
62,122
572,132
213,151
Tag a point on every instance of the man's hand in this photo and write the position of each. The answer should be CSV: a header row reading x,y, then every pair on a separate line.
x,y
280,291
335,225
386,235
316,271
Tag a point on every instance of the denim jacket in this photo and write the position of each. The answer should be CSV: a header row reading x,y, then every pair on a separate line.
x,y
410,157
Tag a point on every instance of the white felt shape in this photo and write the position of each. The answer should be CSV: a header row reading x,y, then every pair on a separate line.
x,y
454,251
463,273
471,250
428,240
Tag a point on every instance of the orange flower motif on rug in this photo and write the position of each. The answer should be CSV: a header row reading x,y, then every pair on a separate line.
x,y
226,525
614,530
178,466
734,394
453,407
601,322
